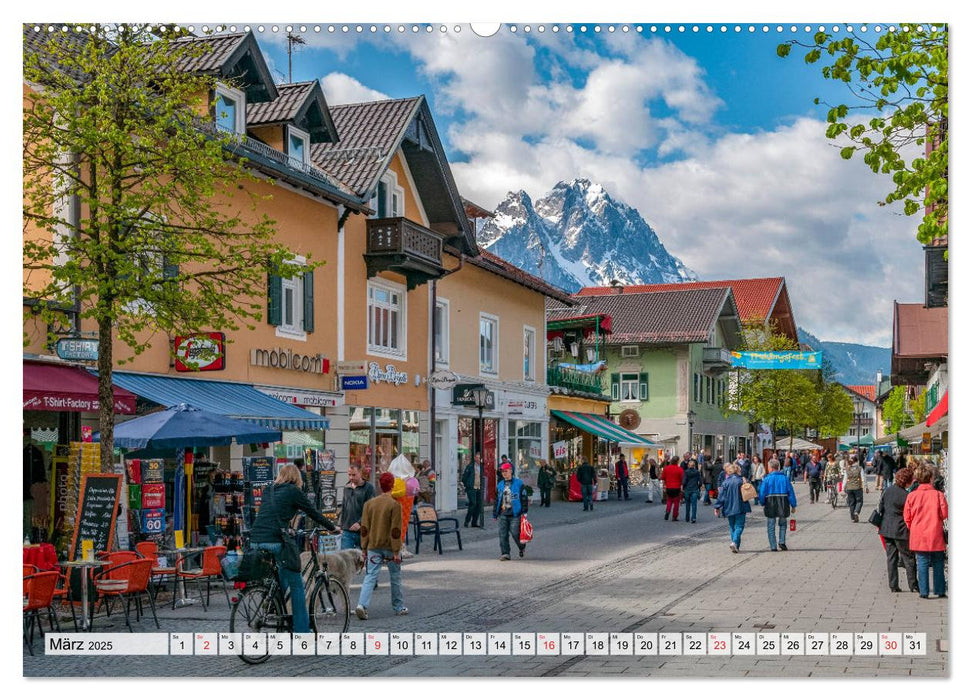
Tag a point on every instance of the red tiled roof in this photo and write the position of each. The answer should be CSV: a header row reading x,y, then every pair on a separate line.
x,y
755,297
866,390
919,331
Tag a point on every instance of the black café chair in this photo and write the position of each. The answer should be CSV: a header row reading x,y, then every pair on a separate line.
x,y
428,523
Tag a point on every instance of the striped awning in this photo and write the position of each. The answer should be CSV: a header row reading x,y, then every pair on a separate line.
x,y
601,427
228,398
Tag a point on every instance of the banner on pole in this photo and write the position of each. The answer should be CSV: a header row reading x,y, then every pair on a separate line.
x,y
777,359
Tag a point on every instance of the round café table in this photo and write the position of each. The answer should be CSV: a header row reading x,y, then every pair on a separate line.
x,y
182,553
85,565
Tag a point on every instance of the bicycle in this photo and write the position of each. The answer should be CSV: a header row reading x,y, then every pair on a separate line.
x,y
261,606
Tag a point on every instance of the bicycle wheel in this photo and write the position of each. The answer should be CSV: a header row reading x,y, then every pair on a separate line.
x,y
329,608
255,610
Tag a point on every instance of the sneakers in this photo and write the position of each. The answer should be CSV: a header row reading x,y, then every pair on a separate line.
x,y
403,611
361,612
504,557
693,520
782,546
522,552
666,515
733,548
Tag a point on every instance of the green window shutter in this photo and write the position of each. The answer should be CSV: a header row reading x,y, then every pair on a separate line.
x,y
308,301
615,387
274,302
643,386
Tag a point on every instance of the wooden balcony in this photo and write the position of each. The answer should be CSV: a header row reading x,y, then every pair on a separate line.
x,y
400,245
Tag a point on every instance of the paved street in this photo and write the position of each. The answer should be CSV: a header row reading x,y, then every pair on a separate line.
x,y
621,568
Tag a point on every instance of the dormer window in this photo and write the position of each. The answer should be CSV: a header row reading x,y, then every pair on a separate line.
x,y
229,106
298,145
389,200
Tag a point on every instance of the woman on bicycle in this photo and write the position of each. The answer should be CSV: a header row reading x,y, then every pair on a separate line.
x,y
281,500
833,475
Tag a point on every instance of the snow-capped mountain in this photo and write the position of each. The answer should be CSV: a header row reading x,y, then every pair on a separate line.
x,y
577,235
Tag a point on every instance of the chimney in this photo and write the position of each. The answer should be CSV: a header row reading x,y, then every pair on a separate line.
x,y
618,285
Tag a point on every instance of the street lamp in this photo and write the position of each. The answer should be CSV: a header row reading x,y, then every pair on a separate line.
x,y
691,424
480,395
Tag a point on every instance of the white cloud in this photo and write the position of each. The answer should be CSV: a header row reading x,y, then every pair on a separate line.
x,y
341,89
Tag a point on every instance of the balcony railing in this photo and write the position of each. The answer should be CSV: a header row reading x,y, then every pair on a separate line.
x,y
715,359
576,380
400,245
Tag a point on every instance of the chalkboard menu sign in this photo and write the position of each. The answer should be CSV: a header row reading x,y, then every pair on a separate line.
x,y
258,469
97,508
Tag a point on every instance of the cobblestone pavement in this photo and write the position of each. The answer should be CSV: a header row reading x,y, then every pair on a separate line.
x,y
621,568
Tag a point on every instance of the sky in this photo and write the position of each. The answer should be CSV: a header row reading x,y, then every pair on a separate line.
x,y
710,135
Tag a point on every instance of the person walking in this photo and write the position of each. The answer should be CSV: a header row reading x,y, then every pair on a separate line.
x,y
778,501
673,477
814,475
711,472
281,501
731,504
744,465
893,529
692,491
653,486
381,542
511,503
758,471
832,476
472,481
924,514
623,478
587,477
356,494
887,469
545,481
854,487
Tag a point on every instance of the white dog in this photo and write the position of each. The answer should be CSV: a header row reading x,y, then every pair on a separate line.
x,y
341,565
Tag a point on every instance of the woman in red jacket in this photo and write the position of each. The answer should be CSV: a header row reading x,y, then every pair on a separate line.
x,y
924,513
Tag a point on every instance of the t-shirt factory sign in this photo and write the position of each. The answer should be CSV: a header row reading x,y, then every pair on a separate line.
x,y
280,358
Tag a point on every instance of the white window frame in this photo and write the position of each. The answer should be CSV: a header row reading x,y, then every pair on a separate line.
x,y
635,382
443,329
630,351
529,347
393,190
293,330
294,132
239,97
494,370
401,353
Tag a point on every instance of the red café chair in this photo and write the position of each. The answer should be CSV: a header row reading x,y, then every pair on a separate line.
x,y
211,568
128,581
39,595
149,550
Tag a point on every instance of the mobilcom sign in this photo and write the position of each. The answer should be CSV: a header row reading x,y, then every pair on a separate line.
x,y
280,358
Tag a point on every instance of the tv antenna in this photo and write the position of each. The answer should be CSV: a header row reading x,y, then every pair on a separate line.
x,y
291,40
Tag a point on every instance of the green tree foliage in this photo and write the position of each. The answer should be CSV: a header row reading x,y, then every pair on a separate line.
x,y
918,407
894,409
835,414
898,115
132,210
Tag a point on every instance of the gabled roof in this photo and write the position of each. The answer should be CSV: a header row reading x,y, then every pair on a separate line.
x,y
370,135
867,391
233,57
300,104
671,316
498,266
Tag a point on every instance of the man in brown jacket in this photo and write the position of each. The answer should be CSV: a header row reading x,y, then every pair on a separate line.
x,y
381,542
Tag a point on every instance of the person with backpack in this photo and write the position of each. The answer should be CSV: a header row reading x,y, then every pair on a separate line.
x,y
778,500
731,505
511,503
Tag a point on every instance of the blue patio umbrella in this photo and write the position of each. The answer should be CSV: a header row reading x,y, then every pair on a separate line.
x,y
185,426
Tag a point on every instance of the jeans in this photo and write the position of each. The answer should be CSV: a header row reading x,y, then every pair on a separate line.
x,y
508,524
736,523
783,526
544,496
854,499
292,581
623,485
898,550
475,506
375,558
350,540
925,560
674,501
691,505
815,486
708,488
586,490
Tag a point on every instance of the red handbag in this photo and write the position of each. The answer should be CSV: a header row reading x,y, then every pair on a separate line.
x,y
792,525
525,530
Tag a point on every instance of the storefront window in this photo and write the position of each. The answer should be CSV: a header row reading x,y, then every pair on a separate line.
x,y
387,438
409,436
525,443
466,440
360,438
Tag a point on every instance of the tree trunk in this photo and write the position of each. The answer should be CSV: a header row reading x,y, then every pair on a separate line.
x,y
106,397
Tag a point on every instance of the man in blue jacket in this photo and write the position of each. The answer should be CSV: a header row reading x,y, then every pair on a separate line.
x,y
511,503
776,496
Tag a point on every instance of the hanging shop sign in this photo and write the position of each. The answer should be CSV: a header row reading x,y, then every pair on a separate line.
x,y
354,383
346,367
463,395
777,359
443,379
559,450
200,352
388,375
77,349
300,397
280,358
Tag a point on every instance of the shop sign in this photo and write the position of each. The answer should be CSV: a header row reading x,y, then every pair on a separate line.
x,y
303,398
443,379
389,374
354,383
345,367
559,450
153,521
535,450
925,443
280,358
462,395
524,407
77,349
200,352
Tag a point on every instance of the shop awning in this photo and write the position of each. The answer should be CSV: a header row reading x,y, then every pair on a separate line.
x,y
50,387
228,398
939,411
601,427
